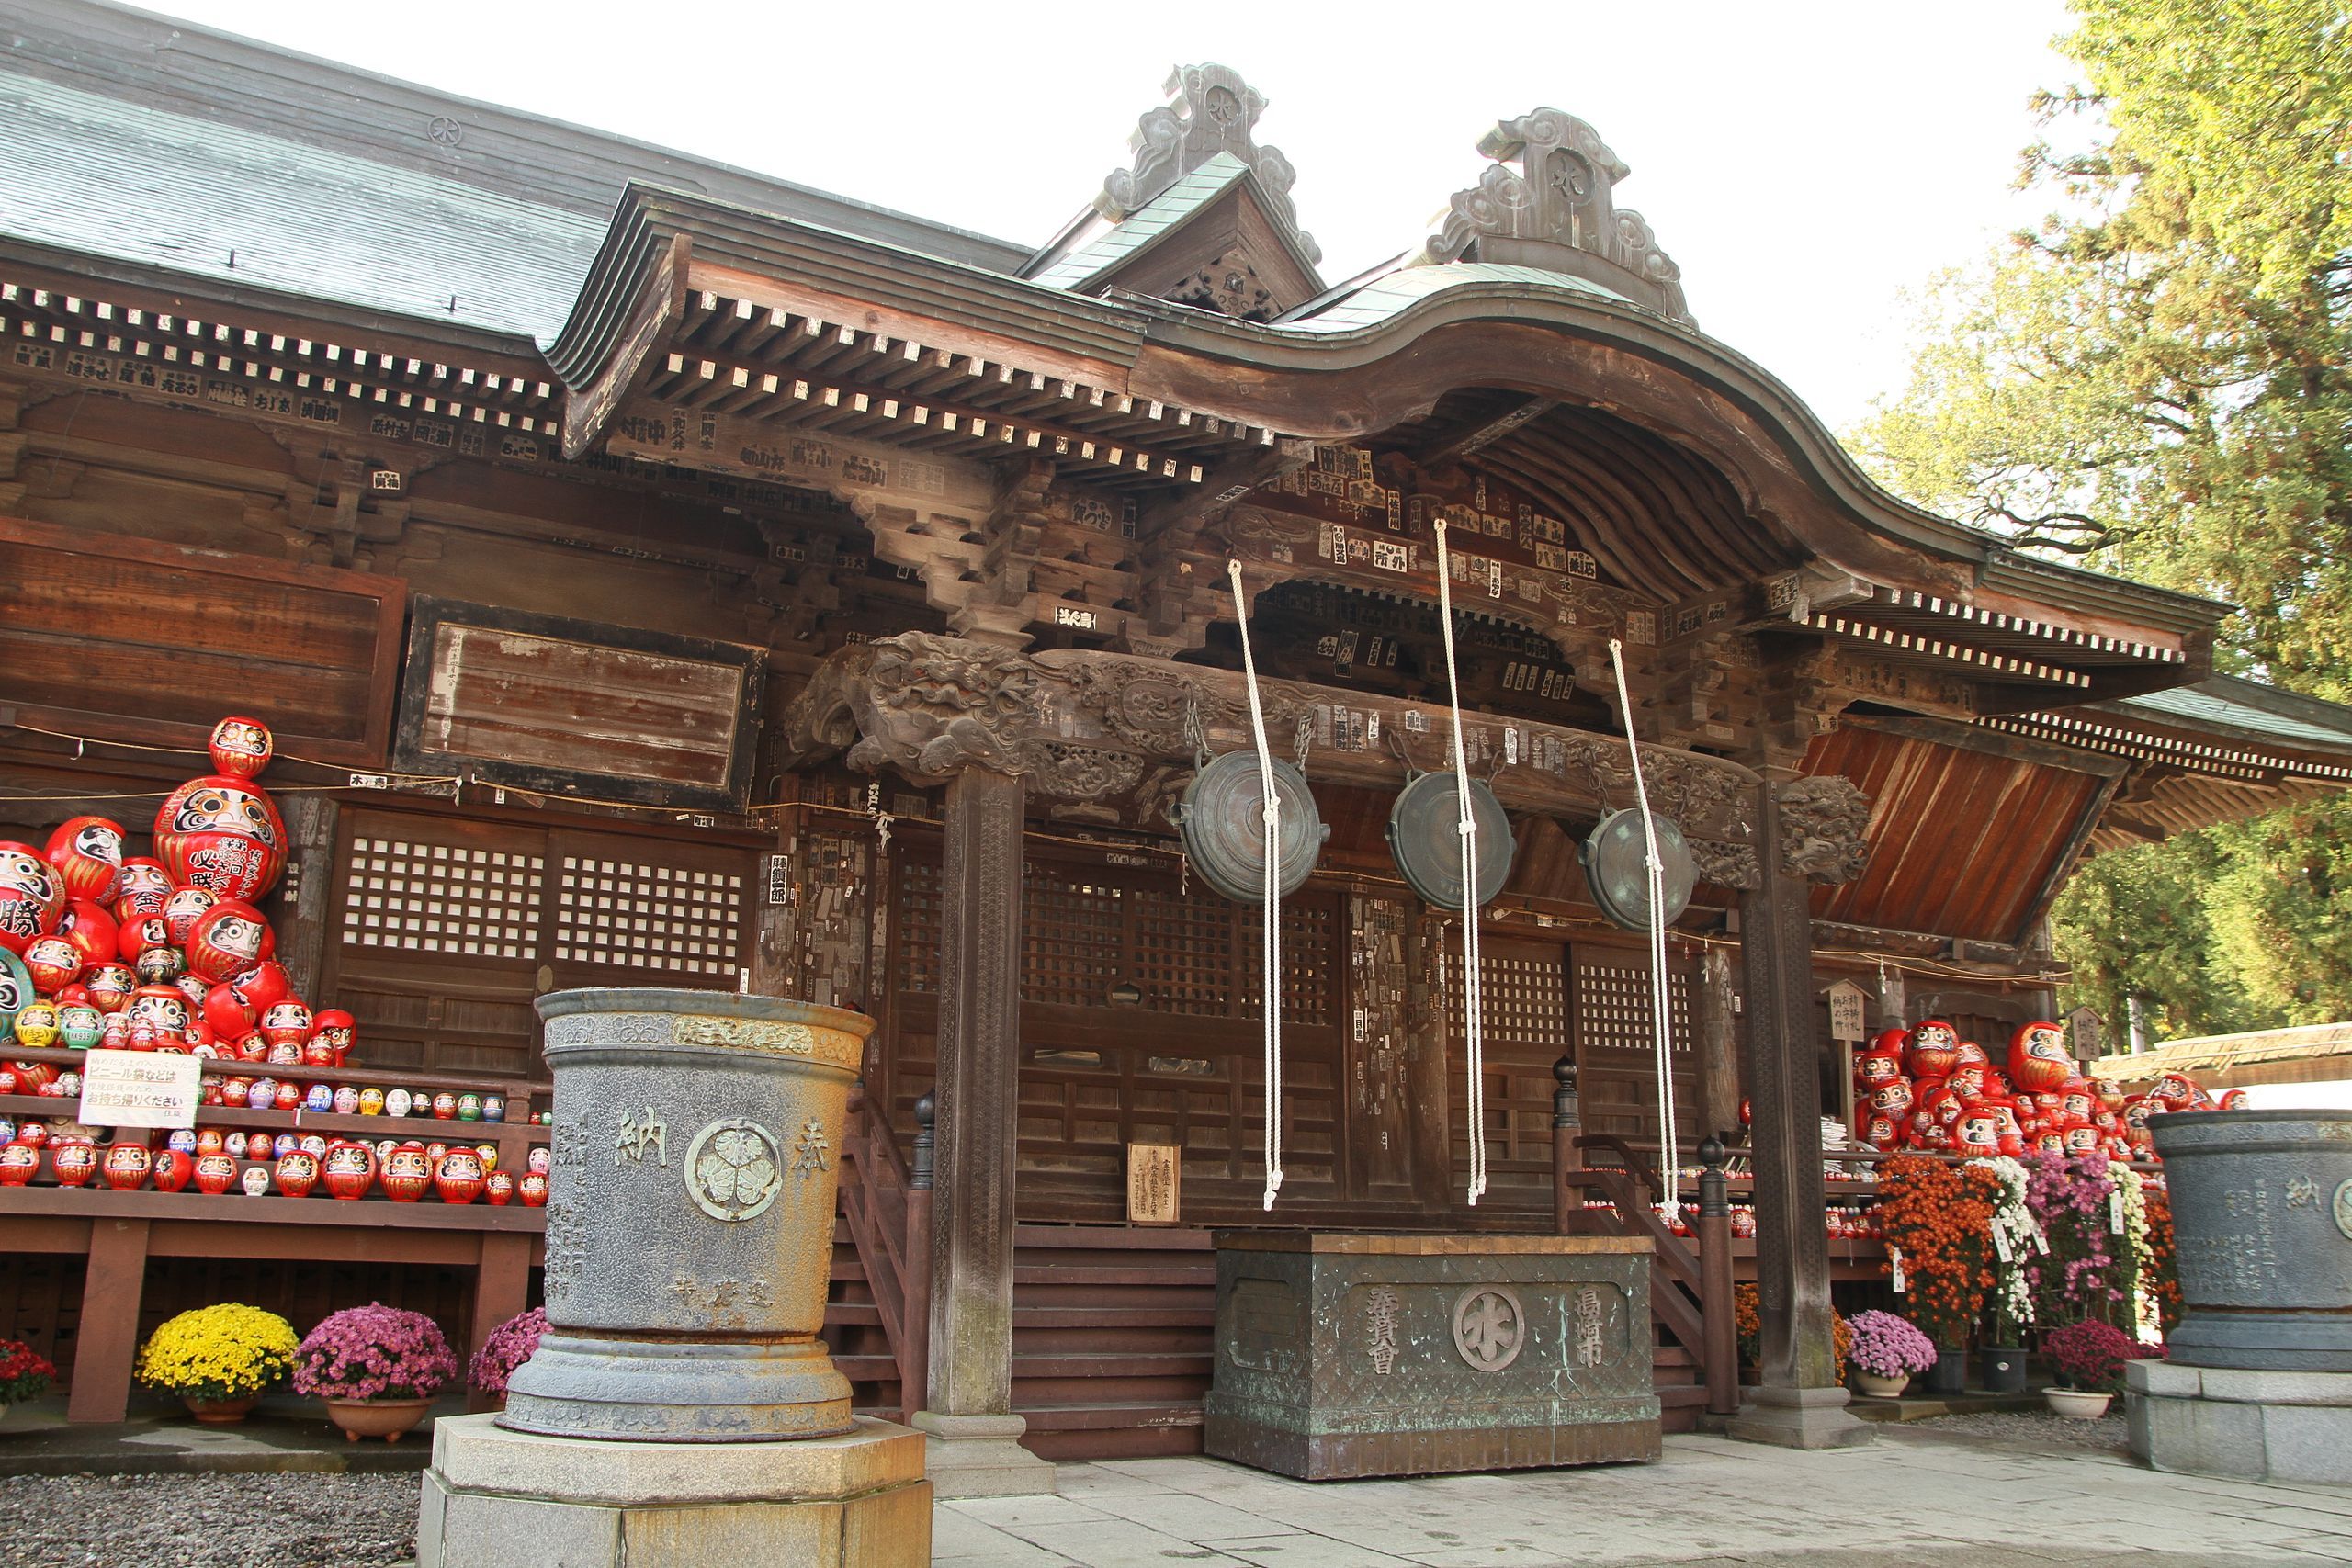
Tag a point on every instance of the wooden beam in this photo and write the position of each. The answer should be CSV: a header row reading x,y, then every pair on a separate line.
x,y
1999,743
1470,436
108,1336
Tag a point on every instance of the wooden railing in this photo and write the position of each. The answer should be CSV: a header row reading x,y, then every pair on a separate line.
x,y
887,1202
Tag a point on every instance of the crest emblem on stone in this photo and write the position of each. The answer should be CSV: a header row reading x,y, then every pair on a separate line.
x,y
2343,1207
733,1168
1489,1326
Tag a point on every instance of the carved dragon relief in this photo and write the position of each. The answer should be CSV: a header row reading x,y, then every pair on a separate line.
x,y
1100,728
1210,110
1823,826
930,705
1548,200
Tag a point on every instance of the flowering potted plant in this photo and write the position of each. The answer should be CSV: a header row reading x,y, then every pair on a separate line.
x,y
1888,1351
376,1368
25,1373
219,1360
1937,1222
2090,1356
2016,1238
508,1347
2082,1275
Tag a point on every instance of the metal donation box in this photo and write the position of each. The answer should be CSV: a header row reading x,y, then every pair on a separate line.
x,y
1343,1355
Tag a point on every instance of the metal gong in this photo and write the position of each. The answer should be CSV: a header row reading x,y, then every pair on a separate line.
x,y
1220,819
1425,835
1614,869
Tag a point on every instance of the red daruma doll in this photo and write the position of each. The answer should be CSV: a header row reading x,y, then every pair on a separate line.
x,y
31,899
241,747
1935,1049
87,853
222,834
1883,1061
2038,1059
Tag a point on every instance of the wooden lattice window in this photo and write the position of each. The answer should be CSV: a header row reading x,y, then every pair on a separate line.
x,y
1613,1007
1180,953
1523,1002
917,912
1071,929
640,914
1310,950
411,894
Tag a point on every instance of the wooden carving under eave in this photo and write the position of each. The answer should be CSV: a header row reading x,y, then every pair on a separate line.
x,y
1823,823
1079,726
1555,211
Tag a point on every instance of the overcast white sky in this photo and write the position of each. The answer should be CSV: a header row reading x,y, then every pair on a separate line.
x,y
1804,163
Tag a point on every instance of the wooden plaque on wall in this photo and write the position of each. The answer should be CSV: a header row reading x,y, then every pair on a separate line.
x,y
1155,1172
122,638
574,707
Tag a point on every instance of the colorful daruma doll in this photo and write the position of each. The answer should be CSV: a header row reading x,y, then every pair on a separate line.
x,y
86,855
93,931
1935,1049
222,834
2038,1059
31,900
241,747
228,938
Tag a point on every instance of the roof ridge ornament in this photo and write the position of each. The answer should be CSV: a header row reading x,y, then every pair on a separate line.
x,y
1210,109
1547,202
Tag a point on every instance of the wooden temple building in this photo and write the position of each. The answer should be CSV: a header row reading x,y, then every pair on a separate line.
x,y
660,573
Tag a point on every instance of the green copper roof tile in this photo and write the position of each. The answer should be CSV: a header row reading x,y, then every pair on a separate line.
x,y
85,172
1160,215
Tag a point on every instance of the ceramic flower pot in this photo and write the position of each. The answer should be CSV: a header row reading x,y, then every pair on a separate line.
x,y
384,1418
1950,1374
2075,1402
1878,1387
2004,1370
349,1170
127,1167
222,1412
407,1173
215,1173
458,1176
74,1161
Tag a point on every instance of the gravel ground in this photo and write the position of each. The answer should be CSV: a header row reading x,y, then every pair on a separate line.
x,y
2036,1428
299,1520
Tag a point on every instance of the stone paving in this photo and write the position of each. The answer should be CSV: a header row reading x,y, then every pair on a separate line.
x,y
1910,1498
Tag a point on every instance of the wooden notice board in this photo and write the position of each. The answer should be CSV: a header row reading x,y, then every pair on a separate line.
x,y
574,707
122,638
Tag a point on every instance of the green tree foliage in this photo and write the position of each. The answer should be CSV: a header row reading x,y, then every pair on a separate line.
x,y
2158,381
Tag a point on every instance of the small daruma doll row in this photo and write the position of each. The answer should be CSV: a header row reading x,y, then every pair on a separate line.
x,y
289,1165
171,953
1925,1087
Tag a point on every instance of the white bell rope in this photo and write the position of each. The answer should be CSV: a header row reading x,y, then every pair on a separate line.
x,y
1466,826
1661,1020
1270,903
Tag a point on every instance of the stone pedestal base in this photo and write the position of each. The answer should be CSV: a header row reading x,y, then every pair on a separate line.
x,y
2246,1426
981,1456
494,1496
1799,1418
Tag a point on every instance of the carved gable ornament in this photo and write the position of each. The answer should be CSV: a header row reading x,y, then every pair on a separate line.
x,y
1547,202
1210,110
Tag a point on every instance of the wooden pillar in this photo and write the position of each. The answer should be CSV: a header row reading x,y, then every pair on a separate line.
x,y
914,1356
1567,1126
502,1289
300,904
108,1336
1718,1045
1798,1402
1716,1303
968,1392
